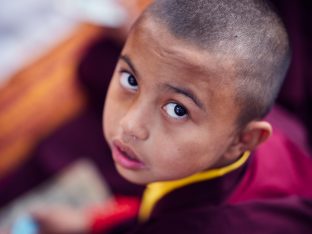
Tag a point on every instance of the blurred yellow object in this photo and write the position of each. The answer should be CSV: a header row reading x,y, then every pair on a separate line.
x,y
42,97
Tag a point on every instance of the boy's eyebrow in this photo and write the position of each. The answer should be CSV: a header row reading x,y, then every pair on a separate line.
x,y
127,60
188,93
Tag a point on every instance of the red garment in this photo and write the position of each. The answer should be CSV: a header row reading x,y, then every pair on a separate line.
x,y
116,212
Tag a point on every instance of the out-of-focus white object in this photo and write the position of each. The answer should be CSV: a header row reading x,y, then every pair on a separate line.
x,y
102,12
29,28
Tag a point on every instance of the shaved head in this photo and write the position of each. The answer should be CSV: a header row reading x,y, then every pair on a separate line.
x,y
247,31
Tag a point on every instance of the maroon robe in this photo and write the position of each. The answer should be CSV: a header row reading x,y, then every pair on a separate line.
x,y
271,193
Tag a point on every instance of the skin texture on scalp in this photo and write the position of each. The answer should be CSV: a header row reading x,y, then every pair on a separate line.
x,y
248,31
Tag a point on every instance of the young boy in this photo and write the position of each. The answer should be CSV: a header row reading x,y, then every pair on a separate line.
x,y
184,110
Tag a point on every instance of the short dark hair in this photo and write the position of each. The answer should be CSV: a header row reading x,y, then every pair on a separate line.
x,y
249,30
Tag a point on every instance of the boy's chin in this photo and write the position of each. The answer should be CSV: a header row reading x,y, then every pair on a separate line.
x,y
132,176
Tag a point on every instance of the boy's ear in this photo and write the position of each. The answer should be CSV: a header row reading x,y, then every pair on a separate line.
x,y
253,134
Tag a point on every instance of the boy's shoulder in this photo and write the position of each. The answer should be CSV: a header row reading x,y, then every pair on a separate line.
x,y
277,169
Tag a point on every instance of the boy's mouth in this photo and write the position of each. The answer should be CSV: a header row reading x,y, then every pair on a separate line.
x,y
125,157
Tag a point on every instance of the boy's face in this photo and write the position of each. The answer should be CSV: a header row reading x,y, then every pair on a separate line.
x,y
166,115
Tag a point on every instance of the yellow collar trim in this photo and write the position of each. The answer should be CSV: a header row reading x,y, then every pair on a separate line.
x,y
155,191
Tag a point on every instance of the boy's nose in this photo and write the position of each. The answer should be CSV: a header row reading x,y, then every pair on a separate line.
x,y
133,124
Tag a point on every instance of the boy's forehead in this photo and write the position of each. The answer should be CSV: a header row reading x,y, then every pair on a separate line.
x,y
156,37
150,34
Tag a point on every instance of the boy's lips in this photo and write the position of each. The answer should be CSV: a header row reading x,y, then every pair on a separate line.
x,y
124,156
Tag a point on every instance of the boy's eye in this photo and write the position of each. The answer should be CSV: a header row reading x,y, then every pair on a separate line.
x,y
175,110
128,81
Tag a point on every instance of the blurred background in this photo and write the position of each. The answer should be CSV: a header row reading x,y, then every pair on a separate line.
x,y
31,27
56,60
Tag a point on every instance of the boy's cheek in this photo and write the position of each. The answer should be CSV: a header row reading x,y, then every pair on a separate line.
x,y
109,120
